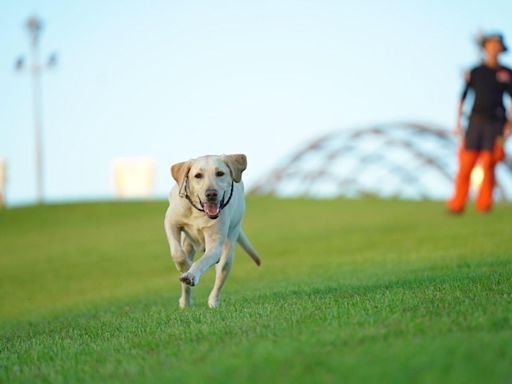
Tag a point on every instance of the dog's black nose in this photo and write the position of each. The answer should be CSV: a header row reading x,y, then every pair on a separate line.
x,y
211,194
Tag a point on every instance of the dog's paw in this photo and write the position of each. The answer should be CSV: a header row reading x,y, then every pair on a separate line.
x,y
185,302
189,278
213,301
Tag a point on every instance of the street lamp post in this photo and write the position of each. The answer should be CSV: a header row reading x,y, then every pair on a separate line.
x,y
35,26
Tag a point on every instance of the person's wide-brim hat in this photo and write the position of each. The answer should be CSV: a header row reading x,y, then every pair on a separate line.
x,y
484,38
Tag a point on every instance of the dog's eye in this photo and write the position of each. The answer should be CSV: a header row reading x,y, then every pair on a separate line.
x,y
219,174
198,175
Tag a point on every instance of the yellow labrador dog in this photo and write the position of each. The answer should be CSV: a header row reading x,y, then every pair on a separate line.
x,y
205,214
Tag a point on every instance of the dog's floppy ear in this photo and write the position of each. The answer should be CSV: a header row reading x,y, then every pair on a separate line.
x,y
237,164
179,171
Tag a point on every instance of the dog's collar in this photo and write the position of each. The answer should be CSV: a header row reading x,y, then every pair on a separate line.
x,y
223,204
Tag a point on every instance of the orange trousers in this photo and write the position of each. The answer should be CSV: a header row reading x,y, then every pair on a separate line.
x,y
467,161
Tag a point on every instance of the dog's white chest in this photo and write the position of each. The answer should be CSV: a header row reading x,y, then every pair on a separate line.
x,y
196,236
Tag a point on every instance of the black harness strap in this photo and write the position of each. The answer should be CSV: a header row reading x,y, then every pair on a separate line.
x,y
222,204
192,203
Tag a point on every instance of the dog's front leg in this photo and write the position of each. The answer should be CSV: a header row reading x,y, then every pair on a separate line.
x,y
186,290
178,254
214,247
181,259
221,273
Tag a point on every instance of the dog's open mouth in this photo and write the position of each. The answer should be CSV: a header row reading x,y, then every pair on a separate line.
x,y
211,209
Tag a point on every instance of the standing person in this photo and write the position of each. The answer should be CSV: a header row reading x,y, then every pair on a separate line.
x,y
487,127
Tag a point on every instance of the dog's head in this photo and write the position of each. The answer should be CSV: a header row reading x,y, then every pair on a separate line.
x,y
207,180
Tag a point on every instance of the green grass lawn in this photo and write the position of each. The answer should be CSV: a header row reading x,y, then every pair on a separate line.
x,y
349,291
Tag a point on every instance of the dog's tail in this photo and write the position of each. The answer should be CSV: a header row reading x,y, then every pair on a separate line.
x,y
244,242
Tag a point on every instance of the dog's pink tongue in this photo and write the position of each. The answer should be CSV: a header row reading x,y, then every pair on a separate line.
x,y
211,209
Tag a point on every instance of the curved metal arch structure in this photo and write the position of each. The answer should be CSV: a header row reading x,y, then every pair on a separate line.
x,y
400,160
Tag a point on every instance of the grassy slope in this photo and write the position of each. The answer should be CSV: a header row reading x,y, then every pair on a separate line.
x,y
360,290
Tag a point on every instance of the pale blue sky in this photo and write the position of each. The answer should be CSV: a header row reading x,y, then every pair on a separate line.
x,y
179,79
